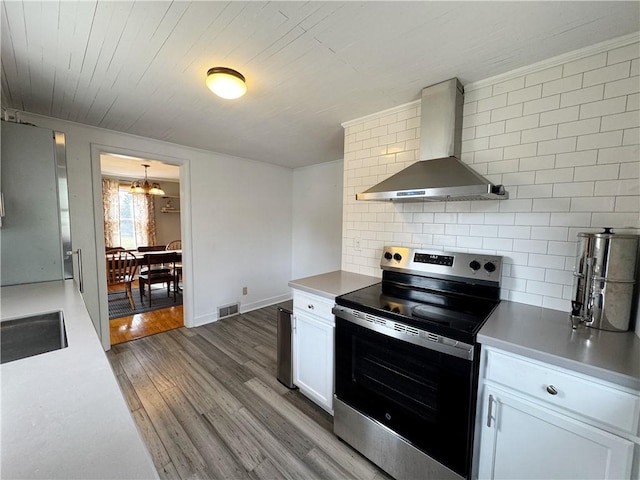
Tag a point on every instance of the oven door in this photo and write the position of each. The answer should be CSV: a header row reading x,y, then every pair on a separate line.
x,y
421,394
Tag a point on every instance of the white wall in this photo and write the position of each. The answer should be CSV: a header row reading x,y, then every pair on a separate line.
x,y
233,205
167,224
561,136
317,219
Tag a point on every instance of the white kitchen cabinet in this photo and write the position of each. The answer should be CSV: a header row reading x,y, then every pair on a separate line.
x,y
540,421
313,345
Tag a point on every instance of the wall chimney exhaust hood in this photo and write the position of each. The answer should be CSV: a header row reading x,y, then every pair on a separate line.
x,y
439,175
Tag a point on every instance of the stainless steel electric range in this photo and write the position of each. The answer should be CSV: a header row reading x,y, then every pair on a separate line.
x,y
406,365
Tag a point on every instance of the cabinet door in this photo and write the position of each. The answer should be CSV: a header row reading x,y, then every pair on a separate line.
x,y
313,359
522,439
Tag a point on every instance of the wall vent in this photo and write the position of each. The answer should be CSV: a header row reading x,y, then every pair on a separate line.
x,y
228,310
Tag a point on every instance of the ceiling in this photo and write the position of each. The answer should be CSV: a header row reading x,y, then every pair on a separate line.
x,y
139,67
131,168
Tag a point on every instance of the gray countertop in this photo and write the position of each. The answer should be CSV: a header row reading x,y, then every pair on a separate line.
x,y
546,335
332,284
63,415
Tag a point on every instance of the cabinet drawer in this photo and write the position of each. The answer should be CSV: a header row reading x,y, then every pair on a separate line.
x,y
307,302
580,395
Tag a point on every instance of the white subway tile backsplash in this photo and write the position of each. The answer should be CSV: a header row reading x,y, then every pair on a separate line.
x,y
585,64
546,75
599,140
508,86
505,231
491,103
506,113
542,133
522,123
549,233
624,186
598,172
629,153
631,136
546,261
535,191
520,151
627,170
504,140
607,74
604,107
520,178
565,143
560,116
545,288
573,189
581,127
566,84
621,121
541,105
576,159
551,204
618,88
616,220
561,145
484,231
593,204
539,163
584,95
532,218
570,219
490,129
524,95
627,204
621,54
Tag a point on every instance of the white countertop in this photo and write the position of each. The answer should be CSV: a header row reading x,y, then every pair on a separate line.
x,y
63,415
546,335
332,284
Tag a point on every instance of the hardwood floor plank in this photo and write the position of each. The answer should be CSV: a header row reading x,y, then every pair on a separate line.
x,y
158,453
208,404
184,456
213,450
243,447
324,439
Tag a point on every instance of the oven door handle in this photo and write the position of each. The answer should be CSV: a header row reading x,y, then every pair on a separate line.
x,y
406,333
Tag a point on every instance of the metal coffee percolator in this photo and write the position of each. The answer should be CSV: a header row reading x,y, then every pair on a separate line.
x,y
605,280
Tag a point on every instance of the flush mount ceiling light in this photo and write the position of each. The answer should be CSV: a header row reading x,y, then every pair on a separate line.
x,y
146,187
226,82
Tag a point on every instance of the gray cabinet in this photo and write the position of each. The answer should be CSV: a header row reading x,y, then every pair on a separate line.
x,y
35,227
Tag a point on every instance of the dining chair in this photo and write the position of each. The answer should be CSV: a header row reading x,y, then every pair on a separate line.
x,y
174,245
150,276
121,269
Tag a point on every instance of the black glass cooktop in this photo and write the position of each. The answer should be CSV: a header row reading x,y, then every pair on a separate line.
x,y
450,314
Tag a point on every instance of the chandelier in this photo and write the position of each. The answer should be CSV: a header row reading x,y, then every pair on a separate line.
x,y
146,187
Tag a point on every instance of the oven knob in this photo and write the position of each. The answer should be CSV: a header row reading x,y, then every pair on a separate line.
x,y
475,265
388,255
397,257
490,267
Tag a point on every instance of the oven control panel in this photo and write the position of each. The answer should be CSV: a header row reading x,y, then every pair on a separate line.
x,y
456,264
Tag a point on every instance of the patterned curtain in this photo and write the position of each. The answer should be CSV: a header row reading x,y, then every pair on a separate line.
x,y
111,211
144,213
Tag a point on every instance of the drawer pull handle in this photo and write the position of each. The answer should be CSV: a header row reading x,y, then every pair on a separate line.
x,y
551,390
310,306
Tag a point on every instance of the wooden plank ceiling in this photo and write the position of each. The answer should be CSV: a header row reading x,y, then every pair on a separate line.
x,y
139,66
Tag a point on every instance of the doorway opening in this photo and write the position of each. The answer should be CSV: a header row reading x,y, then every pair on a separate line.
x,y
143,246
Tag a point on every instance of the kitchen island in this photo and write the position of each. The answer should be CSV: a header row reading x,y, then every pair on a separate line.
x,y
63,414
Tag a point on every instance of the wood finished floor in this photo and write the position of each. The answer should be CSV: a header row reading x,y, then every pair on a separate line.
x,y
208,405
140,325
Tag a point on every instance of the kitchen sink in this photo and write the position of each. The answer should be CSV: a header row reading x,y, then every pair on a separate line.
x,y
32,335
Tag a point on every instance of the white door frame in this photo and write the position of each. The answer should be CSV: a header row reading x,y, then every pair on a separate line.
x,y
185,227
